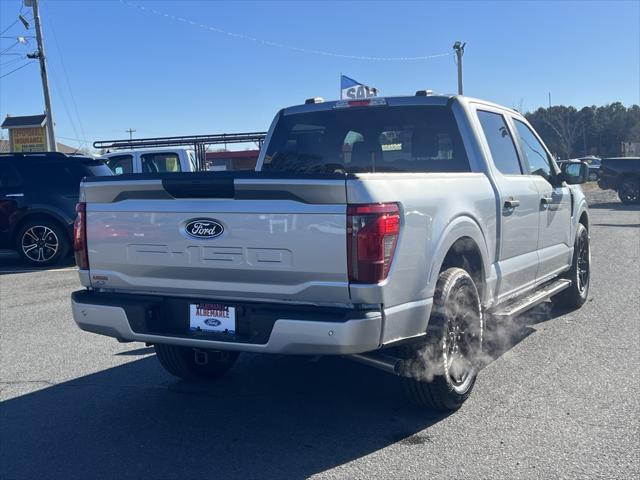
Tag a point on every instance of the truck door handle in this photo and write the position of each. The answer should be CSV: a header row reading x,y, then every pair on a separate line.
x,y
510,204
14,195
546,200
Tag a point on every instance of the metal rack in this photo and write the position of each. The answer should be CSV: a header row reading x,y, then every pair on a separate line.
x,y
199,142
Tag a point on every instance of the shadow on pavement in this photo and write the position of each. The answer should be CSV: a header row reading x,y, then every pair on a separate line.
x,y
271,417
625,225
12,263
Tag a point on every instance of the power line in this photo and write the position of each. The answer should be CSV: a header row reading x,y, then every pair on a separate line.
x,y
64,104
12,62
66,76
9,47
15,21
281,45
9,27
16,69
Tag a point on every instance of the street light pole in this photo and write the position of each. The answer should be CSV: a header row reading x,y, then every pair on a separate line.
x,y
43,74
459,48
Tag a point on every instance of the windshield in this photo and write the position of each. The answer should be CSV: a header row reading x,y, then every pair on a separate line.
x,y
369,139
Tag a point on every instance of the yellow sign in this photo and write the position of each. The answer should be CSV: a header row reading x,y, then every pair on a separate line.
x,y
33,139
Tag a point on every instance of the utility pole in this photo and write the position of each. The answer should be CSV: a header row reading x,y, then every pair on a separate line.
x,y
549,99
130,131
43,74
459,48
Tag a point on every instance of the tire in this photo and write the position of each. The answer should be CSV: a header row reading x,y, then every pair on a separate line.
x,y
580,273
629,191
593,176
441,370
42,242
181,362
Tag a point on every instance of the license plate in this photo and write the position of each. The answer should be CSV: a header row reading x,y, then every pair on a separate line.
x,y
212,317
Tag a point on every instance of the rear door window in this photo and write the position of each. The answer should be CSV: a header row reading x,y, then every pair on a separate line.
x,y
9,176
501,145
120,164
160,162
367,139
56,176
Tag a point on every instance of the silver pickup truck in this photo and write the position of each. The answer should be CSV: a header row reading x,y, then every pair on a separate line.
x,y
388,230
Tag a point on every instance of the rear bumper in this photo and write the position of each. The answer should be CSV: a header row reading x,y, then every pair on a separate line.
x,y
264,328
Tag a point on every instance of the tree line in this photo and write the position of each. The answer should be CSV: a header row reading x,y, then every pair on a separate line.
x,y
571,133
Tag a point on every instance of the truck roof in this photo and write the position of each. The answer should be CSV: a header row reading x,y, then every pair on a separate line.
x,y
433,99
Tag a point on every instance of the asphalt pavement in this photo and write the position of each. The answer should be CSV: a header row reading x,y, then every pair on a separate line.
x,y
563,401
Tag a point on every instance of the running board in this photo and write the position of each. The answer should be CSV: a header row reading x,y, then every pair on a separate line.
x,y
516,307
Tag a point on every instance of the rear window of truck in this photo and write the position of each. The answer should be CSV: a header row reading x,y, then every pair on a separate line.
x,y
369,139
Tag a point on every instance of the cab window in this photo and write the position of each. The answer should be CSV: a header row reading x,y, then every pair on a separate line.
x,y
160,162
120,164
535,154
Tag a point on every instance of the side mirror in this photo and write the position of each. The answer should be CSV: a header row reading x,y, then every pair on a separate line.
x,y
574,172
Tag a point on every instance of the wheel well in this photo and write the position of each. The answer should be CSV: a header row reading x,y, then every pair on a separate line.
x,y
35,216
465,254
584,220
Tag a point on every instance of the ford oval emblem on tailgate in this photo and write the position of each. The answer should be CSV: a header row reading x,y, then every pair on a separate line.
x,y
203,228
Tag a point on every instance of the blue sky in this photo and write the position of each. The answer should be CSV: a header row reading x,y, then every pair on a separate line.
x,y
121,66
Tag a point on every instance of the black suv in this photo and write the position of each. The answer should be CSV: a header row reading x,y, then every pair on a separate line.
x,y
38,196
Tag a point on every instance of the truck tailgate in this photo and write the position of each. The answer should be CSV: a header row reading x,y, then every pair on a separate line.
x,y
281,239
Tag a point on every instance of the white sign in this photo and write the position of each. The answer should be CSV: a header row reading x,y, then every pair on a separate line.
x,y
353,90
212,317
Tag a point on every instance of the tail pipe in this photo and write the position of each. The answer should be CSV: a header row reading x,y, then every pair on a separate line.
x,y
381,361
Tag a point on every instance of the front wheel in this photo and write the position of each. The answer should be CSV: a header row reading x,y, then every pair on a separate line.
x,y
575,295
441,371
191,364
629,190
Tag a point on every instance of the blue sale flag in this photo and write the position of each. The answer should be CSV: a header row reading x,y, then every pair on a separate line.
x,y
353,90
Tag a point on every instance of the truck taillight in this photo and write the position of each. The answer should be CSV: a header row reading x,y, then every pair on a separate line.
x,y
80,237
372,235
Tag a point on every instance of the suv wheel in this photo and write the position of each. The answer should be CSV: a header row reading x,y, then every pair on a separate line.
x,y
191,364
42,242
442,370
580,273
629,191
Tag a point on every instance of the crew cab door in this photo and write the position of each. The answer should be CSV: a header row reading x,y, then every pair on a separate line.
x,y
554,233
519,201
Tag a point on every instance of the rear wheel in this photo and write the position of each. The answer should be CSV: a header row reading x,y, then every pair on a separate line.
x,y
42,242
192,364
580,273
629,190
441,370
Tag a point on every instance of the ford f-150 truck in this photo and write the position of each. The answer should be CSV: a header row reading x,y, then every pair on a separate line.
x,y
389,230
